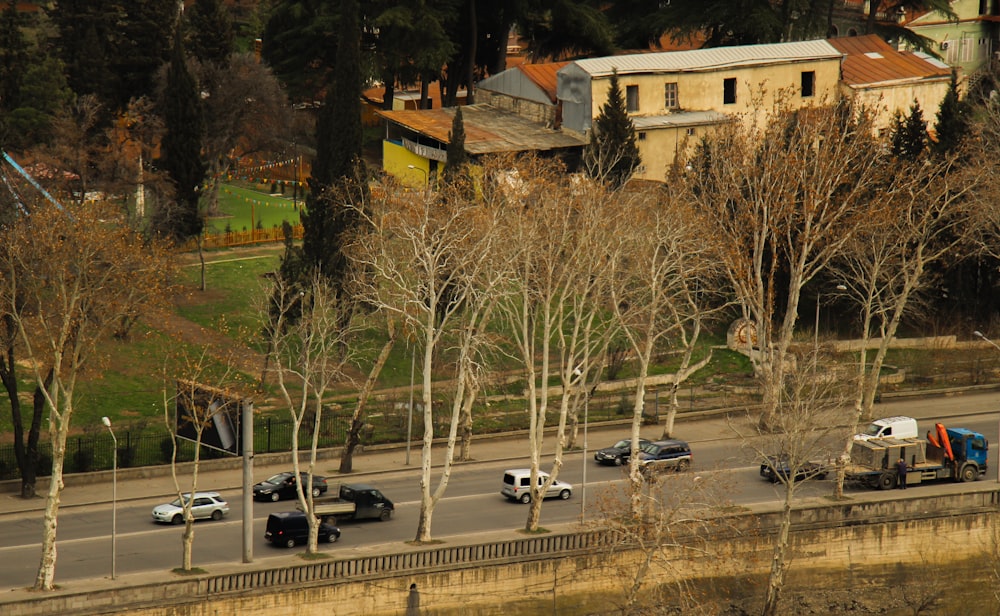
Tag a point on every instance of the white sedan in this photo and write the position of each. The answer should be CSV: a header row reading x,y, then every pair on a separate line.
x,y
207,505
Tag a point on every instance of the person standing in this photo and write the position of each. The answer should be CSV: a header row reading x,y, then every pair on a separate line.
x,y
901,472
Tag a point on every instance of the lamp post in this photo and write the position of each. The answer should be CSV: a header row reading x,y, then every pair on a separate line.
x,y
415,168
580,374
980,334
409,417
839,287
114,498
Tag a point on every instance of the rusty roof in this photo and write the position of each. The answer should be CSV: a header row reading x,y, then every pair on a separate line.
x,y
543,76
487,129
868,60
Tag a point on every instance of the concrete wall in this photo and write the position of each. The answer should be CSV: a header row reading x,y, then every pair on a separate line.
x,y
924,537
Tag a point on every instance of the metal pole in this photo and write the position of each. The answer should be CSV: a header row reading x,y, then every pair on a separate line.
x,y
409,420
816,330
583,492
247,420
114,500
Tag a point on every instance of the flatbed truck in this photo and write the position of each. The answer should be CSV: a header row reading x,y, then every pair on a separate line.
x,y
355,501
954,453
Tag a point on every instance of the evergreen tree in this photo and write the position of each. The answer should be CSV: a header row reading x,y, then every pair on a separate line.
x,y
181,146
210,32
457,158
612,154
338,181
13,58
909,136
952,120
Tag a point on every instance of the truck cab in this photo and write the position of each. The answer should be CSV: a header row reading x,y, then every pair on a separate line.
x,y
970,446
368,501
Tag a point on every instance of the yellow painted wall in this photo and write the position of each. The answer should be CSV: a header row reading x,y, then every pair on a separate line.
x,y
886,100
396,161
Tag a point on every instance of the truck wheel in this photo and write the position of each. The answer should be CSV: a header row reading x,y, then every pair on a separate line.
x,y
886,481
526,499
969,473
385,515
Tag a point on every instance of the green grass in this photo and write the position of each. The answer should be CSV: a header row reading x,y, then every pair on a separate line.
x,y
244,208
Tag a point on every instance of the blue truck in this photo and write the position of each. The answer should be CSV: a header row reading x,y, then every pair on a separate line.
x,y
953,453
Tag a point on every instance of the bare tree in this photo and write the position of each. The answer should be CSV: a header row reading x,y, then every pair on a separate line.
x,y
309,357
660,272
807,427
70,275
562,234
432,262
922,219
784,198
200,407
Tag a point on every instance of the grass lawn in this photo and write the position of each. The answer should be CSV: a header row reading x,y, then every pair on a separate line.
x,y
243,208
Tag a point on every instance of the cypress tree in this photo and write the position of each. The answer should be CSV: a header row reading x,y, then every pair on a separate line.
x,y
210,32
181,146
612,154
456,156
338,180
952,120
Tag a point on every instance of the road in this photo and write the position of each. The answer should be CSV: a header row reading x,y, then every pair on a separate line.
x,y
471,504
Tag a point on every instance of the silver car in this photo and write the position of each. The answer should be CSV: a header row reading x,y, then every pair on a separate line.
x,y
207,505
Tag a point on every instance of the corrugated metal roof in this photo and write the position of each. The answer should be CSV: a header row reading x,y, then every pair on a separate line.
x,y
679,119
708,59
870,61
544,76
487,129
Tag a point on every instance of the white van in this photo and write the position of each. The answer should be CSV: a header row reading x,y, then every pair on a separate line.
x,y
517,485
889,427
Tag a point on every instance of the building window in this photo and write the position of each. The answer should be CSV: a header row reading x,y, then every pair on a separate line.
x,y
690,132
642,136
670,95
632,98
808,83
729,91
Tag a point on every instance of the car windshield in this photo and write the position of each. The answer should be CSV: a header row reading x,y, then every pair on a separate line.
x,y
177,502
872,429
624,444
651,449
279,478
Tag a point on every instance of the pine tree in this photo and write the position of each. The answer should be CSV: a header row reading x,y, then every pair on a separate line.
x,y
13,58
210,32
181,146
456,156
338,181
952,120
612,155
909,136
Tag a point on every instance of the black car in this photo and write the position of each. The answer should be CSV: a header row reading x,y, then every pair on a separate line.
x,y
282,486
777,468
667,454
618,453
291,527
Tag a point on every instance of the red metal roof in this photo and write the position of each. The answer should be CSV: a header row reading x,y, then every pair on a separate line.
x,y
870,60
543,76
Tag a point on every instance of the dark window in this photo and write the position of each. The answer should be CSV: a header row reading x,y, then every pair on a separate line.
x,y
632,98
642,137
729,91
808,83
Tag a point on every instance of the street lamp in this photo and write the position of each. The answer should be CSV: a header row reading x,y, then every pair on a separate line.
x,y
839,287
580,374
114,497
415,168
980,334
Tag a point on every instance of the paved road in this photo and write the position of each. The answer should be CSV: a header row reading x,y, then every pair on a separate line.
x,y
472,510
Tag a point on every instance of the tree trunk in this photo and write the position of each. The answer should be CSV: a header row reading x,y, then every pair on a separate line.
x,y
45,580
358,419
779,561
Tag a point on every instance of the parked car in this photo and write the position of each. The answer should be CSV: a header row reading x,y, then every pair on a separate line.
x,y
517,485
291,527
619,453
207,505
662,455
282,486
776,468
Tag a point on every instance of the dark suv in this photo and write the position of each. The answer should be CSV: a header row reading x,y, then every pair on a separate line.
x,y
291,527
661,455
